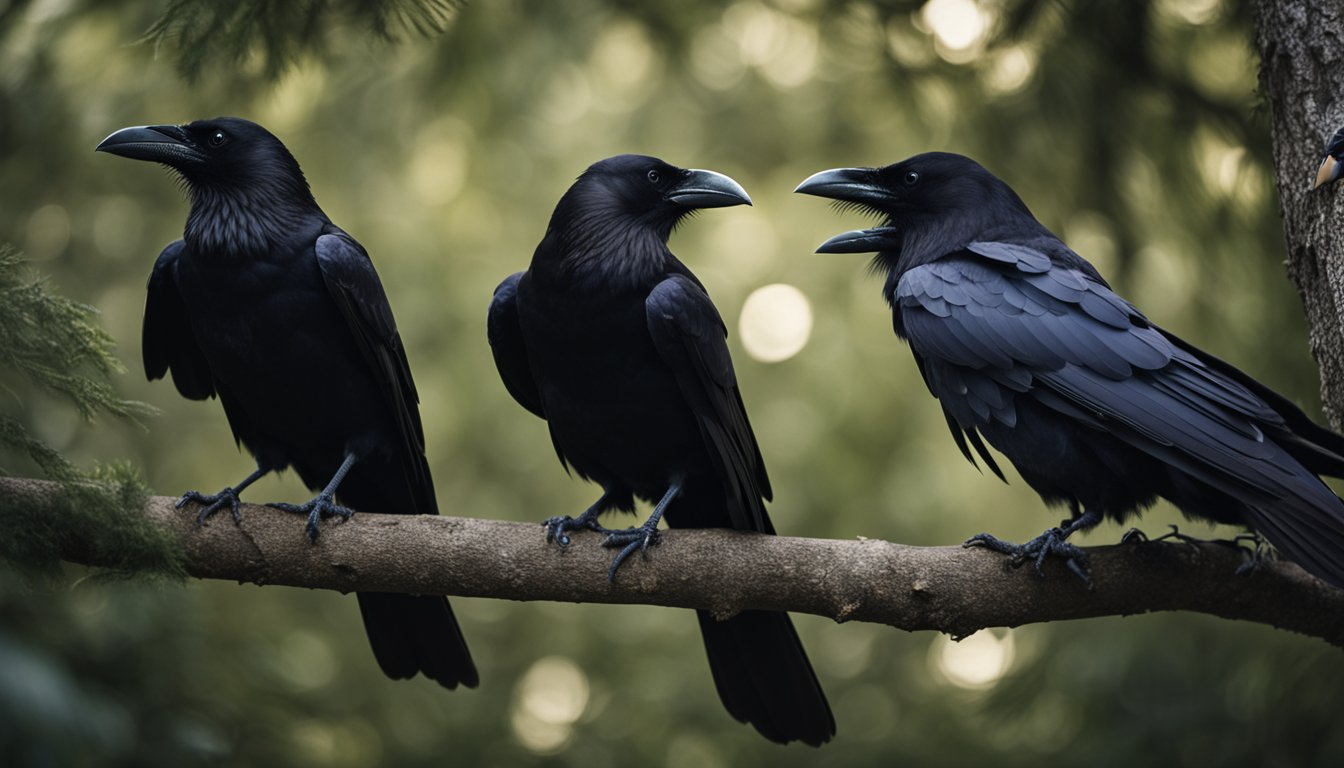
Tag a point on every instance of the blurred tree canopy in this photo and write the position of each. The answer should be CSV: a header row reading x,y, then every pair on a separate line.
x,y
441,136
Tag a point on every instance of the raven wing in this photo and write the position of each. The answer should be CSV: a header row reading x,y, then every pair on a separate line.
x,y
692,339
510,348
354,286
166,338
998,321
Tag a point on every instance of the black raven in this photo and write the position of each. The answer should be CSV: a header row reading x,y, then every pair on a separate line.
x,y
1332,163
617,345
270,306
1024,343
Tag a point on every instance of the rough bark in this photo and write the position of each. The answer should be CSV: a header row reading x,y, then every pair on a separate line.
x,y
948,589
1301,46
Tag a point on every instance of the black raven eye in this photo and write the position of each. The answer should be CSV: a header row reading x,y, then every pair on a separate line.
x,y
218,138
911,178
654,177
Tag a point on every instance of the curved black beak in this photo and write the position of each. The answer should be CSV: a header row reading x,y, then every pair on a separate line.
x,y
853,185
863,241
166,144
707,189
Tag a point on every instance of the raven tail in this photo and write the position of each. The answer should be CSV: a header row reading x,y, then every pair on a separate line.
x,y
764,677
417,633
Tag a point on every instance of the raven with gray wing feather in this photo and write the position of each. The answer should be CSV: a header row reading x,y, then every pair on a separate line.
x,y
1028,349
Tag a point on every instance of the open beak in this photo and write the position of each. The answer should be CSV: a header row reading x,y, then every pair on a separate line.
x,y
853,185
1329,171
707,189
863,241
166,144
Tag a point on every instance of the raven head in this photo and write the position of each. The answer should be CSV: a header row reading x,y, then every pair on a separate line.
x,y
1332,165
936,194
217,153
647,191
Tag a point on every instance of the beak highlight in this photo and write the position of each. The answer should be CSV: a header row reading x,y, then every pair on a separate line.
x,y
707,189
1330,170
166,144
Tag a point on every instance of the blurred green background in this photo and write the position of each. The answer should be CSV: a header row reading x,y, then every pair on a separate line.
x,y
1132,128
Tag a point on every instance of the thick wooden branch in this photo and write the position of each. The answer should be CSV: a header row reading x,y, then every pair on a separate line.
x,y
948,589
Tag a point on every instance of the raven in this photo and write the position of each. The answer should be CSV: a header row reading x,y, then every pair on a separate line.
x,y
1026,346
270,306
1332,161
612,340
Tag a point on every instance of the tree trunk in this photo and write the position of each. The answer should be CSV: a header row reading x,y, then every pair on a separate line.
x,y
1301,45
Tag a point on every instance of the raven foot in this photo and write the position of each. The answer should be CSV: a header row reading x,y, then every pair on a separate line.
x,y
227,496
629,540
558,527
213,503
1136,536
1052,542
320,508
1259,552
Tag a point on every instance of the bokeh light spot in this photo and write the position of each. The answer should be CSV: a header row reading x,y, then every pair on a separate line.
x,y
958,27
776,322
549,699
976,662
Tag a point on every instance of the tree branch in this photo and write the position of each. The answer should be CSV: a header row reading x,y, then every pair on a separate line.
x,y
948,589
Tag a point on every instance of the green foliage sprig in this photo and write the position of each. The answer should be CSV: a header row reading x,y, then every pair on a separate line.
x,y
50,343
280,32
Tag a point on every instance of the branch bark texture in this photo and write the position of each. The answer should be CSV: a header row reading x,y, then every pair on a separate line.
x,y
1301,45
949,589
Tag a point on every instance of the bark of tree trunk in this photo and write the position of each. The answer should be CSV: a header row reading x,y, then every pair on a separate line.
x,y
1301,45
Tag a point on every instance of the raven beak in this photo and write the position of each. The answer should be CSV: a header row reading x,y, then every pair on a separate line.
x,y
863,241
1329,171
707,189
167,144
854,185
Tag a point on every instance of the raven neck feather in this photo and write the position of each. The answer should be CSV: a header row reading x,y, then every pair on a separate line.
x,y
610,248
244,220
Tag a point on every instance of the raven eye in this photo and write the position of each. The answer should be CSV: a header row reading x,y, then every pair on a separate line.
x,y
911,178
218,138
654,177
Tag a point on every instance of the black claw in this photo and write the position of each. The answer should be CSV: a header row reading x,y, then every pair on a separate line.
x,y
1134,536
629,540
558,527
213,504
1259,553
1037,550
320,508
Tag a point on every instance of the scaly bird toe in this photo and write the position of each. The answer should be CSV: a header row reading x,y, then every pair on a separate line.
x,y
213,503
318,509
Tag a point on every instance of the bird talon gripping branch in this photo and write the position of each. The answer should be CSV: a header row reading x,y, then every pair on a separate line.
x,y
558,527
317,510
212,504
